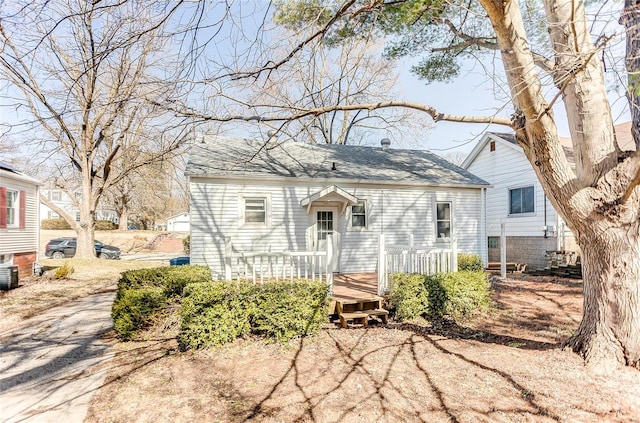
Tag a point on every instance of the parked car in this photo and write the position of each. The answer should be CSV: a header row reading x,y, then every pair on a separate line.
x,y
66,247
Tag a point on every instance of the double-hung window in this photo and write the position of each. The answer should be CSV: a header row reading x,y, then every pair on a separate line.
x,y
521,200
255,210
359,215
12,208
443,220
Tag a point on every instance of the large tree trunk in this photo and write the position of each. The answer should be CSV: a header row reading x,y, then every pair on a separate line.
x,y
85,243
599,201
123,218
609,333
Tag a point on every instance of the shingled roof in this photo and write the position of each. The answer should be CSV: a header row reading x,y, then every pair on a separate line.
x,y
623,136
221,157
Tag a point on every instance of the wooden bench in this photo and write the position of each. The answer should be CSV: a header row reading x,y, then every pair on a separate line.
x,y
360,310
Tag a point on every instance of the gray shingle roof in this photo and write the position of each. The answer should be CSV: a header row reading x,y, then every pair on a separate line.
x,y
221,157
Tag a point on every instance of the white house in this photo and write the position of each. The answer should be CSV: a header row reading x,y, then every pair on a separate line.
x,y
19,228
179,223
63,201
286,196
516,199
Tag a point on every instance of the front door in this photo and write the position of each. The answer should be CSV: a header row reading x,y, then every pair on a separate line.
x,y
326,223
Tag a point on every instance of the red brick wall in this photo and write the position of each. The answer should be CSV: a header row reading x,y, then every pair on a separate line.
x,y
24,261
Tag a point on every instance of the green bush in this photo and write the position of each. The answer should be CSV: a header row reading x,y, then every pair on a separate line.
x,y
289,310
173,279
186,244
142,293
219,312
134,309
104,225
215,313
466,293
409,296
54,224
457,295
469,262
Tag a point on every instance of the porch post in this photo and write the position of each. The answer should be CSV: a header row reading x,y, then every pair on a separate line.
x,y
228,250
454,255
382,266
331,265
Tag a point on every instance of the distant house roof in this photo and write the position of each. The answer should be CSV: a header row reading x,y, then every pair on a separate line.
x,y
623,136
240,158
9,171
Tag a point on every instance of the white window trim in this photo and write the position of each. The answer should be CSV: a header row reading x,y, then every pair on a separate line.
x,y
16,208
367,214
446,240
241,211
527,214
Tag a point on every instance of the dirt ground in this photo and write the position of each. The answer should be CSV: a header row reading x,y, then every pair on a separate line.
x,y
506,366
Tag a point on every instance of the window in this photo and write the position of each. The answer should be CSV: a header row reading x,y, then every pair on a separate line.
x,y
77,216
443,220
52,215
255,210
324,220
493,242
54,195
521,200
6,258
12,207
359,215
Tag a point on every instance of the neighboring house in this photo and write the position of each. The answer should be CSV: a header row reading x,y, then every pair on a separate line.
x,y
517,199
179,223
62,200
286,196
19,229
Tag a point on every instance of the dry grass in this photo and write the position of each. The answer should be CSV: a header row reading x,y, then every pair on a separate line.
x,y
37,294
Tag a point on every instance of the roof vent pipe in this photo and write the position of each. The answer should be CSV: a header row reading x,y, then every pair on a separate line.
x,y
385,143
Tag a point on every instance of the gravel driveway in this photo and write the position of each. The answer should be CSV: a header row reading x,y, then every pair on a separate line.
x,y
50,367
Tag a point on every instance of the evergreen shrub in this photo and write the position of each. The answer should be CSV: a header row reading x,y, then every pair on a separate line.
x,y
455,295
471,262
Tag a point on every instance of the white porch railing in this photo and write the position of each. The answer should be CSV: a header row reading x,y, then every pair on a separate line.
x,y
395,259
287,265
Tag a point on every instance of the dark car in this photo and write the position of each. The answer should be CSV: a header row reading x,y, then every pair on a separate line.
x,y
66,247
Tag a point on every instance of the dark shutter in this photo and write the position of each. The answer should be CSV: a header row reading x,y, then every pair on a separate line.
x,y
3,207
23,209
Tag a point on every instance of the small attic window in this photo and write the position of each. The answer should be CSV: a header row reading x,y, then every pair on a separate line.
x,y
492,146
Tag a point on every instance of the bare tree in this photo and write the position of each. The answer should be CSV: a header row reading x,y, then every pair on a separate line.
x,y
84,72
349,73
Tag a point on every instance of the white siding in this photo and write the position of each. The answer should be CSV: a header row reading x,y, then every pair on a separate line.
x,y
507,168
13,239
398,212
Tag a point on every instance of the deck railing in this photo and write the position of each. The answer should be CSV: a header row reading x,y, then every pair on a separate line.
x,y
262,266
399,259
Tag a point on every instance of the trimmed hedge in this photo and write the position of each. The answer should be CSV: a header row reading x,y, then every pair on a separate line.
x,y
457,295
172,279
104,225
215,313
219,312
54,224
134,310
145,292
469,262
